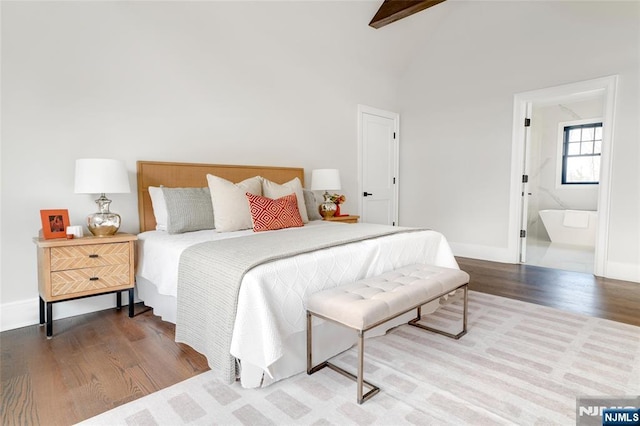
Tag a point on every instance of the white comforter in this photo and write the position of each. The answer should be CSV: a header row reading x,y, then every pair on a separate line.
x,y
268,335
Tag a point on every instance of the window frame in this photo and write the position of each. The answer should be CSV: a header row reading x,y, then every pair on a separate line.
x,y
564,130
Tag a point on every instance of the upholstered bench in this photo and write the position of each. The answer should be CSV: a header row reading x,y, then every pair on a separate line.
x,y
367,303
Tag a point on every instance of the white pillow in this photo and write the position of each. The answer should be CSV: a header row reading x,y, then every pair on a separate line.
x,y
230,205
274,191
159,207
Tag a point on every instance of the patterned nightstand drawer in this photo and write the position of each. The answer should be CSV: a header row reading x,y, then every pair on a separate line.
x,y
81,280
75,257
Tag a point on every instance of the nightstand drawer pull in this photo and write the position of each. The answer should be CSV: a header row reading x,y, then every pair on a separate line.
x,y
93,255
94,279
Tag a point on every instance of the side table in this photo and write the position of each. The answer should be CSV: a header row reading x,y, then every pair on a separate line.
x,y
82,267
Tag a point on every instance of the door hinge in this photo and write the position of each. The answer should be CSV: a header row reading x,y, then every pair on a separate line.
x,y
527,122
393,224
394,135
394,180
523,233
525,178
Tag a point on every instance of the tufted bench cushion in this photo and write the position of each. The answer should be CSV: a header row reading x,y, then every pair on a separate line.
x,y
366,303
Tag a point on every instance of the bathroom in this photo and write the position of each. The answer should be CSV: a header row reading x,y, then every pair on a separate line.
x,y
563,200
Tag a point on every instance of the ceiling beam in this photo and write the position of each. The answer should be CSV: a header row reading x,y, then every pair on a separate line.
x,y
393,10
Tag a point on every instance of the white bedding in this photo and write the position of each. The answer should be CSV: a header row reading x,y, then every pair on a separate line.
x,y
273,295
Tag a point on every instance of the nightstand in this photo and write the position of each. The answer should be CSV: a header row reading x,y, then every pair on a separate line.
x,y
345,219
83,267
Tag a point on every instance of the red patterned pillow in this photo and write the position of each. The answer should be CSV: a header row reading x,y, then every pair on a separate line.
x,y
268,214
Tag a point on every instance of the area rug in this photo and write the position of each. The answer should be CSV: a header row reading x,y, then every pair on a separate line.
x,y
520,363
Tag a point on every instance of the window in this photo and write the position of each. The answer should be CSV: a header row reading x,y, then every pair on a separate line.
x,y
581,151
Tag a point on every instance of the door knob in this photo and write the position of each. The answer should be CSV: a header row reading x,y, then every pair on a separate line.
x,y
367,193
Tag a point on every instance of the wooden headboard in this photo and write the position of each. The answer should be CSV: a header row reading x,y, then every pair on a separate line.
x,y
193,175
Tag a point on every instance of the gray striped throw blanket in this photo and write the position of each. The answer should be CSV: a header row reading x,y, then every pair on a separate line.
x,y
210,275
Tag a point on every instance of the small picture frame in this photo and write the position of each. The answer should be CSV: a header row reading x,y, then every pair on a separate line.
x,y
54,223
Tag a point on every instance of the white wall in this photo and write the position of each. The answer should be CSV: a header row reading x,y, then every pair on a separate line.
x,y
278,83
457,105
255,83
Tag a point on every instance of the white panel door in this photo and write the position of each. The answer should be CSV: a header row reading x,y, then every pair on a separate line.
x,y
379,164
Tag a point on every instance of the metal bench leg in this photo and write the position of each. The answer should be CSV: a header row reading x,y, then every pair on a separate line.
x,y
373,388
465,311
359,379
415,321
360,364
310,368
309,344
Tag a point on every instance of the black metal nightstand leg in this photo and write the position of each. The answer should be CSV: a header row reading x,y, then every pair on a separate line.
x,y
49,319
131,303
118,300
42,319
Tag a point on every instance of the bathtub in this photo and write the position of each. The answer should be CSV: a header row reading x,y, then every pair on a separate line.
x,y
576,227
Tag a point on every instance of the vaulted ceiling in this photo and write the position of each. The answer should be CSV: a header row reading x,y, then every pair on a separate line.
x,y
393,10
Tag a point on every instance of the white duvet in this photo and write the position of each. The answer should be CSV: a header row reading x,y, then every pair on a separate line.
x,y
269,330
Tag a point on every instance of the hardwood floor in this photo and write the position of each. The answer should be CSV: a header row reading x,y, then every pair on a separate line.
x,y
570,291
99,361
93,363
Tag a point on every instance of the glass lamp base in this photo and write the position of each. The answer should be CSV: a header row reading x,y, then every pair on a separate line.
x,y
328,209
103,224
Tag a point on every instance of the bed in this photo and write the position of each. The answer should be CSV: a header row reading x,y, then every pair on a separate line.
x,y
263,334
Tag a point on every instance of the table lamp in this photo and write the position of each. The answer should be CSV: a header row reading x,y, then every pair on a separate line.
x,y
99,176
326,180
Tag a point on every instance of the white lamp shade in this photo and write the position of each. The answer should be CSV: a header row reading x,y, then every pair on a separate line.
x,y
325,180
99,176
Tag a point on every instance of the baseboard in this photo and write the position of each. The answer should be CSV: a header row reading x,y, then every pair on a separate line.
x,y
24,313
614,270
623,271
473,251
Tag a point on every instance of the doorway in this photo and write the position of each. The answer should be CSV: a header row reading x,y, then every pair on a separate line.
x,y
561,209
539,116
378,165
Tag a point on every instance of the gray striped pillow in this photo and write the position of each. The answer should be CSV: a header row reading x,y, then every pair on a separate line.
x,y
188,209
311,205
